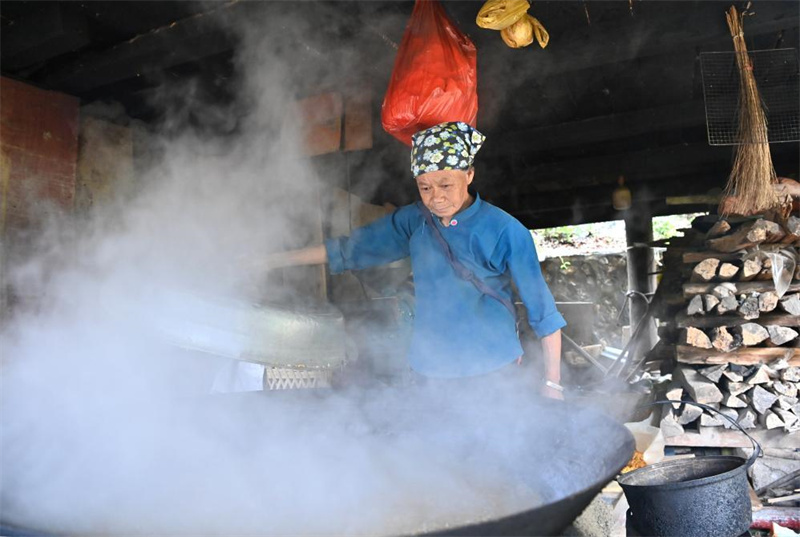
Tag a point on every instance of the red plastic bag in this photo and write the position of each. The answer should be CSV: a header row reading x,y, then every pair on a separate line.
x,y
435,76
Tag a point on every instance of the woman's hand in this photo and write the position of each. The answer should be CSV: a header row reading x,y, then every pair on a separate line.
x,y
551,393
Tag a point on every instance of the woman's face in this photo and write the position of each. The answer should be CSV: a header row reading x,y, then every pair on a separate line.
x,y
445,192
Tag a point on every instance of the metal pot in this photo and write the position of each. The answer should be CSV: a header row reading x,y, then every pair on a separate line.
x,y
701,497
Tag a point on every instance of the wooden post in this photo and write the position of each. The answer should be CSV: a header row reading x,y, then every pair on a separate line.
x,y
641,265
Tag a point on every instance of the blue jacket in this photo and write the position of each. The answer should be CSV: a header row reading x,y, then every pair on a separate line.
x,y
458,331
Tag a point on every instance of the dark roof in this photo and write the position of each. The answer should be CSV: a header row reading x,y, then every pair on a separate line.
x,y
617,91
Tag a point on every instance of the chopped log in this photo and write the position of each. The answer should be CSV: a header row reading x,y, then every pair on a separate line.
x,y
731,413
778,335
695,306
669,423
743,355
762,399
767,301
748,308
780,365
727,304
675,393
748,234
747,418
791,374
727,271
733,374
788,417
765,274
724,290
787,403
688,414
722,340
720,228
731,401
737,388
771,420
701,389
792,229
707,420
791,304
788,389
750,269
759,376
695,338
709,302
713,373
705,270
751,333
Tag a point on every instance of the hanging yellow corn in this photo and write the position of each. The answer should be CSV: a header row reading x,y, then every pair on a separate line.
x,y
519,34
542,37
500,14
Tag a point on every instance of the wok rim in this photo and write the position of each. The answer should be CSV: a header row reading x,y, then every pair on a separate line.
x,y
742,467
479,528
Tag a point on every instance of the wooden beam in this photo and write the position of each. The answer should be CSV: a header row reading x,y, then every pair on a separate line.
x,y
742,356
778,319
597,129
670,28
56,31
646,165
691,289
192,38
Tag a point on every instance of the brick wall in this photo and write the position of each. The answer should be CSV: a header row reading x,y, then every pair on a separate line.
x,y
38,152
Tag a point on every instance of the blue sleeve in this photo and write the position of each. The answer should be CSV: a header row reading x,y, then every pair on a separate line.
x,y
516,247
378,243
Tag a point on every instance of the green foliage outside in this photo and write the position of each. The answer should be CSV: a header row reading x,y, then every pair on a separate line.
x,y
664,227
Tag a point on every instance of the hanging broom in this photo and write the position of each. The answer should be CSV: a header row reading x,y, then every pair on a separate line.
x,y
750,182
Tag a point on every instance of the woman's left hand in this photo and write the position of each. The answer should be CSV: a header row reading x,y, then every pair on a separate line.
x,y
551,393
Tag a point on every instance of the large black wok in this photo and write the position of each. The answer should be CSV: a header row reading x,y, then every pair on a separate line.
x,y
567,453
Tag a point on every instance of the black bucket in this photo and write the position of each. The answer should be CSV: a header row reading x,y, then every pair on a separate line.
x,y
701,497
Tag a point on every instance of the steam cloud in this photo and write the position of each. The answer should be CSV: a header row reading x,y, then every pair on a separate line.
x,y
108,429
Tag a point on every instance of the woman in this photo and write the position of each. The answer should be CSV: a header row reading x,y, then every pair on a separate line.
x,y
464,325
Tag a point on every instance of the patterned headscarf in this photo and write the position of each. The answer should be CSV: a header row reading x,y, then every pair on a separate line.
x,y
447,146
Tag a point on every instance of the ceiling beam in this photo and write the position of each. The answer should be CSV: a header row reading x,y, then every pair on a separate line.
x,y
56,30
647,165
674,28
192,38
594,204
596,130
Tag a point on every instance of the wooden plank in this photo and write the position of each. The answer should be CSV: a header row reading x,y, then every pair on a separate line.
x,y
730,438
593,130
194,37
742,356
691,289
682,320
647,165
696,257
358,120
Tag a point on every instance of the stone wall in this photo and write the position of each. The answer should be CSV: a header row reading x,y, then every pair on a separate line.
x,y
599,279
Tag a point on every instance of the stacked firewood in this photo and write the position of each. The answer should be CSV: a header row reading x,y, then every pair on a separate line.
x,y
756,395
733,295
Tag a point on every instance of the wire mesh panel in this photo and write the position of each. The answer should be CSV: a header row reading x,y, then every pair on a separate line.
x,y
778,80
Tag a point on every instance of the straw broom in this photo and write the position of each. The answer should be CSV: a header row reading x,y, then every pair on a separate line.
x,y
752,176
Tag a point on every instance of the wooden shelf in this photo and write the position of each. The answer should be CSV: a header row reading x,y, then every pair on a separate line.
x,y
696,257
711,320
691,289
743,356
731,438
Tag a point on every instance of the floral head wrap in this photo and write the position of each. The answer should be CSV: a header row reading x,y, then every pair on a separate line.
x,y
447,146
